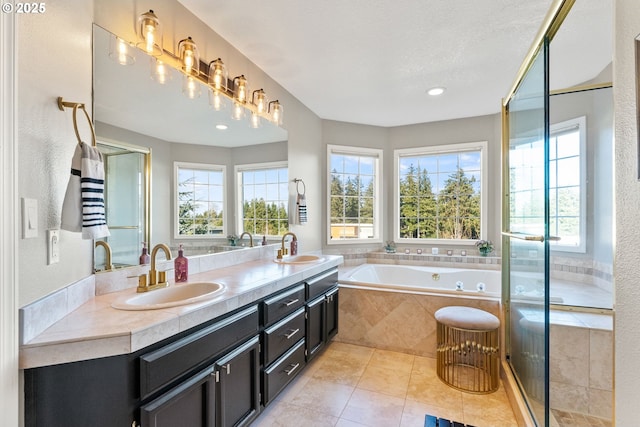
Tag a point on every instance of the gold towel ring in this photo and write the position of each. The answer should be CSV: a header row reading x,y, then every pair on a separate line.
x,y
304,187
75,105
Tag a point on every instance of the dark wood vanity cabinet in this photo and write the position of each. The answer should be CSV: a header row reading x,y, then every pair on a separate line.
x,y
219,374
237,378
190,404
322,311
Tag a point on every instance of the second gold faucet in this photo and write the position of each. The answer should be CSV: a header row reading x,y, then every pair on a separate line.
x,y
156,279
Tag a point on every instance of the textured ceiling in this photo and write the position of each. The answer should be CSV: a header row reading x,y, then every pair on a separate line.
x,y
371,61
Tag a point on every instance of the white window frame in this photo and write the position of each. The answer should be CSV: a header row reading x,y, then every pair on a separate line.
x,y
201,166
482,146
377,195
238,169
581,124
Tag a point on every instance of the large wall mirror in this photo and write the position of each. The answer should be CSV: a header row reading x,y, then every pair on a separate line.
x,y
134,112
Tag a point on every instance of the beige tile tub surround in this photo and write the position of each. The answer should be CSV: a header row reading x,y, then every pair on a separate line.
x,y
581,364
397,321
95,329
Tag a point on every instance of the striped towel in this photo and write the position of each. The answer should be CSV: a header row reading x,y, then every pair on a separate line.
x,y
301,203
83,206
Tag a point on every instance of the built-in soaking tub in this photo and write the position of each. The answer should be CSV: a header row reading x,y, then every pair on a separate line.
x,y
418,279
392,307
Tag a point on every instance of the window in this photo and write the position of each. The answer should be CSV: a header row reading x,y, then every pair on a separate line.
x,y
354,194
567,190
440,192
200,190
263,198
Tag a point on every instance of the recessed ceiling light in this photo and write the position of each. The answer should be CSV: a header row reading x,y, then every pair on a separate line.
x,y
435,91
221,127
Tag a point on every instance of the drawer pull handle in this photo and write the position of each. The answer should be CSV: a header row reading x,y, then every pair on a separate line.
x,y
292,333
292,368
293,301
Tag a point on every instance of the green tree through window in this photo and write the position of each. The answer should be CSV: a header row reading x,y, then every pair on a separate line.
x,y
200,201
264,199
439,195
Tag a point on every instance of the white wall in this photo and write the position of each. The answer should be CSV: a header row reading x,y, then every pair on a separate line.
x,y
627,206
54,60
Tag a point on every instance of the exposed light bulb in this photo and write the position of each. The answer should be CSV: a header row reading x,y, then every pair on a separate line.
x,y
216,101
190,87
150,33
189,56
160,71
149,38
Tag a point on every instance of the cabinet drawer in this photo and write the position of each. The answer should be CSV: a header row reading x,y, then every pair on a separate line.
x,y
170,362
284,370
281,336
321,283
275,308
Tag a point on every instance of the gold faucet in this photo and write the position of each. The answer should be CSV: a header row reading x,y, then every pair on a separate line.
x,y
107,250
285,251
156,279
250,238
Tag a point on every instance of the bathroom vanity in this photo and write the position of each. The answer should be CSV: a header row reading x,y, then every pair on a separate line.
x,y
219,372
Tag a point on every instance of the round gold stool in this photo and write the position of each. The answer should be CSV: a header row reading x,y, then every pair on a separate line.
x,y
468,349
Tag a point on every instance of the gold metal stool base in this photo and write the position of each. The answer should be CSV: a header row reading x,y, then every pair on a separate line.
x,y
467,359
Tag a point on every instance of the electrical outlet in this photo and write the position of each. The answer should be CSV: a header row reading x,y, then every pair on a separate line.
x,y
53,246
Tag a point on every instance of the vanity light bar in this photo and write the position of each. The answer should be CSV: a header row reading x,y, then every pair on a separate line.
x,y
214,75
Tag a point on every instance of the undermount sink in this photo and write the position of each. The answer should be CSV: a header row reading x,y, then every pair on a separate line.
x,y
299,259
175,295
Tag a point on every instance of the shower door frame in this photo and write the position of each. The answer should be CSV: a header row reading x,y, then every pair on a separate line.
x,y
552,22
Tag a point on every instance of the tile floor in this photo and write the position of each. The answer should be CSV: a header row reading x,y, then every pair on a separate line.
x,y
354,386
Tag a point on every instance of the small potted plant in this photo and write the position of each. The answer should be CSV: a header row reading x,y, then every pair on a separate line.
x,y
390,247
485,247
233,239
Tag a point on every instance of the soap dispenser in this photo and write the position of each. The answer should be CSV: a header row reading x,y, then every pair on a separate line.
x,y
144,257
181,266
264,240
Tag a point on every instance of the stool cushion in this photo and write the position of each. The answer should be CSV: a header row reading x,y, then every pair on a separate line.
x,y
467,318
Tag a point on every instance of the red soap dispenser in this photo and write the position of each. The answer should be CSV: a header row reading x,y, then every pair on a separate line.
x,y
144,257
181,266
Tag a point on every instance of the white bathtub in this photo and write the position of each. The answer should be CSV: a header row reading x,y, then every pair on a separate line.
x,y
408,278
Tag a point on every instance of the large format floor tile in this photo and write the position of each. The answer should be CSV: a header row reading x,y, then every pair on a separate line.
x,y
354,386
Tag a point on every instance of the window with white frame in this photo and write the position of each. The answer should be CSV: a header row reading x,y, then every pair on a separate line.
x,y
200,203
567,185
263,198
440,193
354,194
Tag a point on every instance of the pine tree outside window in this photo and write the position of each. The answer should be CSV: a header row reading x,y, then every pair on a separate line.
x,y
354,194
262,193
200,203
440,193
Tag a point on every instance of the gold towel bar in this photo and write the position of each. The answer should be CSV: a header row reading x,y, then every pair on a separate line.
x,y
62,104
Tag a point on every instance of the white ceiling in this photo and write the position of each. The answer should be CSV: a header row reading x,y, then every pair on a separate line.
x,y
371,61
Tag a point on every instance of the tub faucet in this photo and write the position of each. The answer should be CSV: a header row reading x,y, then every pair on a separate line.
x,y
107,251
283,250
250,238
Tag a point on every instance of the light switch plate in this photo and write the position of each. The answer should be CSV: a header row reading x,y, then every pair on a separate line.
x,y
29,218
53,246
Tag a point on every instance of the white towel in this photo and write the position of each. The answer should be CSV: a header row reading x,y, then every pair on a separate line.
x,y
83,207
301,203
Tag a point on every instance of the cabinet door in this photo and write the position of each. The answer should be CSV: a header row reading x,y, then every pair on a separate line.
x,y
316,325
238,384
332,314
192,403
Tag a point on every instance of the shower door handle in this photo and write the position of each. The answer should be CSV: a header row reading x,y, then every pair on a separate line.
x,y
524,236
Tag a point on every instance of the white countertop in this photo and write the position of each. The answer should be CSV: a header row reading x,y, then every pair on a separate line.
x,y
96,329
